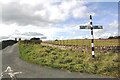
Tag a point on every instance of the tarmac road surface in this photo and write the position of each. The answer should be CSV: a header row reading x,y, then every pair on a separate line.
x,y
10,57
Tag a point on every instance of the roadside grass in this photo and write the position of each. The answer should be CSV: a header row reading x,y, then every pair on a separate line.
x,y
74,61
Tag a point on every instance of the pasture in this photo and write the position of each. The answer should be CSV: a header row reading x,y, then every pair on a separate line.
x,y
86,42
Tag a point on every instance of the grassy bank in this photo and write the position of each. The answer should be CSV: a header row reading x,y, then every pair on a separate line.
x,y
103,64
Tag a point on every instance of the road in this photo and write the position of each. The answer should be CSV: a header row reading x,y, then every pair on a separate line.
x,y
10,57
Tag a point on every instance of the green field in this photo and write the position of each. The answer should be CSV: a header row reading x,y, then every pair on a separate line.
x,y
78,61
87,42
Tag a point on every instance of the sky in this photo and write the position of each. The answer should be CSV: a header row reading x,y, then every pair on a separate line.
x,y
56,19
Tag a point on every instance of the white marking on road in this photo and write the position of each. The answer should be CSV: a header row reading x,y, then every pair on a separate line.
x,y
10,72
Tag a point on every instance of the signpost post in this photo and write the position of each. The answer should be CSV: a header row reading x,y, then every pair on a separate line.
x,y
92,36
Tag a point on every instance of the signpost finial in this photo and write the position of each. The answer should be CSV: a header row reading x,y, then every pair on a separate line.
x,y
90,16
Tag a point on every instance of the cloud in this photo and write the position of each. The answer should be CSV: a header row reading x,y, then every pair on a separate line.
x,y
107,31
32,34
21,14
6,30
11,31
54,19
42,13
27,35
23,36
4,37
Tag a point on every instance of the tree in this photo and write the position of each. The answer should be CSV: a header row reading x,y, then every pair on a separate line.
x,y
35,39
111,37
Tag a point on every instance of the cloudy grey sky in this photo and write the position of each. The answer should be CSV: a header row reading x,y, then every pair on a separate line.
x,y
56,19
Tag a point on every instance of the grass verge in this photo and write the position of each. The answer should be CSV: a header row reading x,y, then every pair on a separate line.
x,y
78,61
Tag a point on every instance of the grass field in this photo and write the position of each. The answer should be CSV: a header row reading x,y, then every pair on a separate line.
x,y
87,42
103,64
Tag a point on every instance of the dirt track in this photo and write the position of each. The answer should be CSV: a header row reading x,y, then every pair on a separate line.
x,y
10,57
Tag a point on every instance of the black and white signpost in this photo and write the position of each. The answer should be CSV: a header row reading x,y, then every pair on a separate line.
x,y
92,36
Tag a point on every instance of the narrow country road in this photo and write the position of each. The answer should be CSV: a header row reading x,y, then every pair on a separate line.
x,y
10,57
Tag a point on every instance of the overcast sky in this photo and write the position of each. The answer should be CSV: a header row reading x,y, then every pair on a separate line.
x,y
56,19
